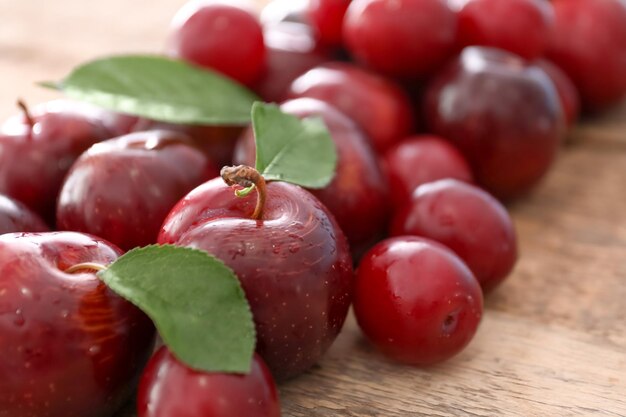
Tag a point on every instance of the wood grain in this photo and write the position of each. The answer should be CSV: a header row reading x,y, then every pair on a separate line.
x,y
553,341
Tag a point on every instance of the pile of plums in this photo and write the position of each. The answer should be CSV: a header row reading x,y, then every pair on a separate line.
x,y
440,113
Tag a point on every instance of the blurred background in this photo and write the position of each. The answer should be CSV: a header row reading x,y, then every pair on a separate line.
x,y
43,40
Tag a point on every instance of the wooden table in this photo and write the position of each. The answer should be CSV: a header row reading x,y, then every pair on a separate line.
x,y
553,340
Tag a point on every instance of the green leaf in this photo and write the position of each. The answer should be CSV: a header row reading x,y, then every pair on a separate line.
x,y
293,150
159,88
195,301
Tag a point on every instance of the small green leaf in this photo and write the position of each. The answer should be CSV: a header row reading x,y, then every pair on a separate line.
x,y
158,88
195,301
293,150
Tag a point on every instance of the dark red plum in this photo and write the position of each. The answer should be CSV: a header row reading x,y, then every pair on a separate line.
x,y
467,220
123,188
169,388
39,146
503,113
589,44
221,37
292,50
16,217
327,17
217,142
293,262
570,99
416,301
408,39
380,107
419,159
70,346
523,27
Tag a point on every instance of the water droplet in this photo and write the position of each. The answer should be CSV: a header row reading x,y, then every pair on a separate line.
x,y
19,318
294,248
94,350
240,251
295,236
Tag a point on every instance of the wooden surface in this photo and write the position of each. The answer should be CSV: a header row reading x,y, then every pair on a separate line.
x,y
553,340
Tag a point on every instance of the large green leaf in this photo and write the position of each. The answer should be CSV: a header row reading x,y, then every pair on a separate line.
x,y
159,88
195,301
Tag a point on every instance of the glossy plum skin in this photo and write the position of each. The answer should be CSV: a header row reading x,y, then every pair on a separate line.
x,y
570,99
416,301
168,388
292,50
117,124
357,195
467,220
16,217
123,188
216,35
70,346
217,142
277,12
401,38
326,16
294,265
419,159
502,113
379,106
523,27
34,159
589,44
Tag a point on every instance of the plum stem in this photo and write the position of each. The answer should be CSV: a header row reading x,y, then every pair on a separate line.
x,y
246,177
85,266
29,119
